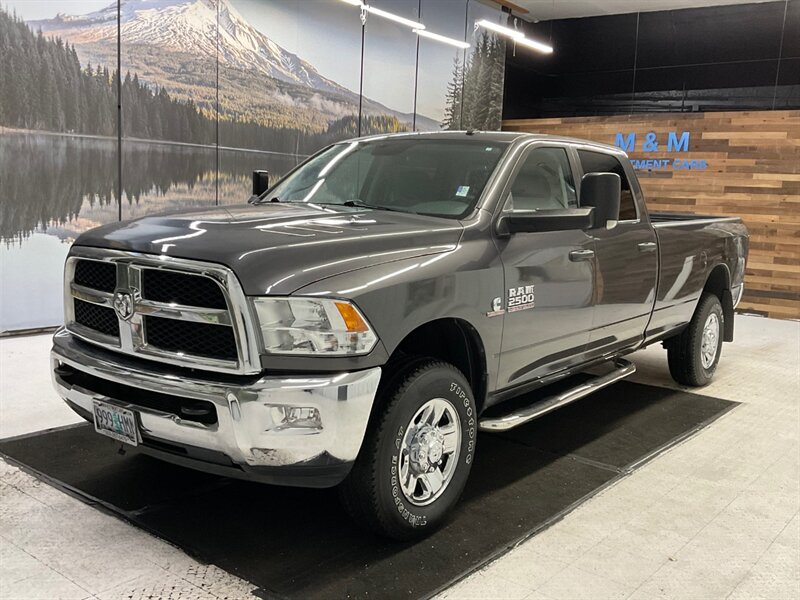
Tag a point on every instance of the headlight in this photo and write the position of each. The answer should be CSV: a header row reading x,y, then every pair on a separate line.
x,y
320,326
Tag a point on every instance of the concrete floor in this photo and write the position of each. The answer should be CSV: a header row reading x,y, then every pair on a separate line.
x,y
716,517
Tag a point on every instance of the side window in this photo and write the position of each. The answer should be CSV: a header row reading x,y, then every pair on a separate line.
x,y
597,162
544,182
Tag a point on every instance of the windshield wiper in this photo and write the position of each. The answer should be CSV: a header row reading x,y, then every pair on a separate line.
x,y
362,204
257,200
349,203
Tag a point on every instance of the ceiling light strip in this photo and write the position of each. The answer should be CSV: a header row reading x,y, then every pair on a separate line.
x,y
512,33
534,44
442,38
516,35
393,17
419,29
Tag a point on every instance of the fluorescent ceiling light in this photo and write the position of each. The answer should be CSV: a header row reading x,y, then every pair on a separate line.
x,y
385,14
442,38
516,35
512,33
395,18
534,44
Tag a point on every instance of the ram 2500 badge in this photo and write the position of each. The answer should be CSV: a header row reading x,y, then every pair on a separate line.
x,y
360,321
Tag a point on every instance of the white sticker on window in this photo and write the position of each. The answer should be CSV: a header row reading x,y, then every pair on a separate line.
x,y
462,190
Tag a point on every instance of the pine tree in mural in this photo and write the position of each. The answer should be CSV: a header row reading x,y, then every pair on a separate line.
x,y
43,87
475,94
452,111
476,90
495,83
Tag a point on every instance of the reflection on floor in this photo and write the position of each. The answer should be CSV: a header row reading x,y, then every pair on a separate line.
x,y
717,515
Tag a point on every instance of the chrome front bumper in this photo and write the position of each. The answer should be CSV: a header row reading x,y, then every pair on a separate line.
x,y
252,430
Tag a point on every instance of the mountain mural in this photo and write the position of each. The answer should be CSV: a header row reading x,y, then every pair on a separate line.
x,y
64,170
174,44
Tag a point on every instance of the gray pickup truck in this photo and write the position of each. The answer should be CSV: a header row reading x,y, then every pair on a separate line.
x,y
359,322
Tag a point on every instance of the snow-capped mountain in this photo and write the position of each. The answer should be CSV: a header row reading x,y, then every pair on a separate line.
x,y
191,25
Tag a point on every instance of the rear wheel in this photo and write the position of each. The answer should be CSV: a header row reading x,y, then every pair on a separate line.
x,y
417,453
693,355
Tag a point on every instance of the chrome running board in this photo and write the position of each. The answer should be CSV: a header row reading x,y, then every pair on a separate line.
x,y
623,369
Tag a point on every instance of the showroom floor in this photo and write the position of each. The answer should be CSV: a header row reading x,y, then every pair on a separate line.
x,y
715,517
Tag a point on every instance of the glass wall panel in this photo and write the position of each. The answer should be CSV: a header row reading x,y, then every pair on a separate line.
x,y
58,147
289,74
169,91
390,58
484,70
440,70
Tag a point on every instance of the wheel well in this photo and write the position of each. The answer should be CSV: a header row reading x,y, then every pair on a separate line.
x,y
718,283
454,341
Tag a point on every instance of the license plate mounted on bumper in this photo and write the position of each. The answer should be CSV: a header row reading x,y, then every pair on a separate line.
x,y
115,422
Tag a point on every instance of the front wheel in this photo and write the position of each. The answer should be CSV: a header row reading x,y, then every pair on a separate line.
x,y
417,452
693,355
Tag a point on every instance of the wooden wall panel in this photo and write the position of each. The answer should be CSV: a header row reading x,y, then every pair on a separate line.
x,y
753,172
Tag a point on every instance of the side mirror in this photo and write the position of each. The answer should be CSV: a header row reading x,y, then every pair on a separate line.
x,y
602,191
260,182
533,221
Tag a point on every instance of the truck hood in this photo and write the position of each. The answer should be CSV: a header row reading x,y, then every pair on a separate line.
x,y
279,248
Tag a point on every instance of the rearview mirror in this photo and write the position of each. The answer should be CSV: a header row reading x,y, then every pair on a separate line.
x,y
602,191
260,182
533,221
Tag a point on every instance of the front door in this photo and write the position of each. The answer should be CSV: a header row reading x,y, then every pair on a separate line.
x,y
549,276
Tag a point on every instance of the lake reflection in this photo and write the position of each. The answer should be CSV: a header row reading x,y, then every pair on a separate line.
x,y
54,187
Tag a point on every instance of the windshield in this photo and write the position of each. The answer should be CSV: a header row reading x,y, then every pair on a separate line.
x,y
418,175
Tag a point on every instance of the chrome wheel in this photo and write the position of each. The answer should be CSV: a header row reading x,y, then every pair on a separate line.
x,y
710,341
429,452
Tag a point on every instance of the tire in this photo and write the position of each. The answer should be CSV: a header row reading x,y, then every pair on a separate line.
x,y
404,439
689,353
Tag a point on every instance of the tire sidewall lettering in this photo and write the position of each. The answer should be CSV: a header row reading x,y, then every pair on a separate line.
x,y
405,509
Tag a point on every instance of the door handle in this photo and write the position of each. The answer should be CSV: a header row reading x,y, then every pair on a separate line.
x,y
577,255
648,247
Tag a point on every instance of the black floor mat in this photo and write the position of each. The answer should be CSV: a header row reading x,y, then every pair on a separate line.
x,y
300,544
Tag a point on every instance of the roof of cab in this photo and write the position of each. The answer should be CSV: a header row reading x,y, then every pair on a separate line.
x,y
489,136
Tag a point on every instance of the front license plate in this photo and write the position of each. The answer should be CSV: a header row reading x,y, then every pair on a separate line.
x,y
115,422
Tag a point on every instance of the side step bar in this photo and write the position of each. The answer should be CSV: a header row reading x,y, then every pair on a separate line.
x,y
623,369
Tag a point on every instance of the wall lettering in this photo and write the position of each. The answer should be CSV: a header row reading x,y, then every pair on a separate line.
x,y
650,143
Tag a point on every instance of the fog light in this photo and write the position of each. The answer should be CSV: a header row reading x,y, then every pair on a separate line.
x,y
293,417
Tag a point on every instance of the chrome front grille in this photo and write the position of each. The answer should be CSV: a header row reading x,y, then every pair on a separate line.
x,y
171,310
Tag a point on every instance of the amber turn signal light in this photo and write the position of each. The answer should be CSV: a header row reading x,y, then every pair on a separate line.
x,y
354,322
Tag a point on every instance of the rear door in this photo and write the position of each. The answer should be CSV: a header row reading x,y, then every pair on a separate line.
x,y
627,263
549,276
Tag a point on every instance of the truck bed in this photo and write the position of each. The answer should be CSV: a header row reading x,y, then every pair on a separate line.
x,y
689,245
669,219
